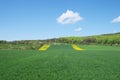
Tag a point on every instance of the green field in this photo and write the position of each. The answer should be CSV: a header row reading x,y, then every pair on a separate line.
x,y
61,62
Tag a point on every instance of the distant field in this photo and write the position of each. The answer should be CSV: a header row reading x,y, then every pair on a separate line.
x,y
61,62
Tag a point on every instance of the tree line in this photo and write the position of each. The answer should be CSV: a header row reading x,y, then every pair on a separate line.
x,y
96,40
106,39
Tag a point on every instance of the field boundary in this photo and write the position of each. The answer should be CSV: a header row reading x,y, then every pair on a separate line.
x,y
44,47
75,47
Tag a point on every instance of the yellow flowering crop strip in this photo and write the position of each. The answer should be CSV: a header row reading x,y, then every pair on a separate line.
x,y
76,47
44,47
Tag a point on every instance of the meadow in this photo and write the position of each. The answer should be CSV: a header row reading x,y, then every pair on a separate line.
x,y
61,62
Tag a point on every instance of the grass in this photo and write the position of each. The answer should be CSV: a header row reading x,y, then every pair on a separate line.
x,y
61,62
9,46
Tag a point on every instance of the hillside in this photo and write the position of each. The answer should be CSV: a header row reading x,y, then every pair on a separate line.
x,y
104,39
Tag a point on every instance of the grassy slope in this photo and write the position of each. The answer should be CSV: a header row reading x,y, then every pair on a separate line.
x,y
106,39
61,63
107,36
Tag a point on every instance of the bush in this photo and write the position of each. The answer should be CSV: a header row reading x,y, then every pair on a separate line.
x,y
88,40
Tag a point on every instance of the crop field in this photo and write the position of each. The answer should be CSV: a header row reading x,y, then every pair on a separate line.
x,y
61,62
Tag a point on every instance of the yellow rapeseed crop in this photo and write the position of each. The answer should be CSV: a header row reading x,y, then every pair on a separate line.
x,y
76,47
44,47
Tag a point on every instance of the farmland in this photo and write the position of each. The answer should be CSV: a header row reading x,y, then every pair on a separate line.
x,y
61,62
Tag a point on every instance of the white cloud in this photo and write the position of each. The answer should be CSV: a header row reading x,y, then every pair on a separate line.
x,y
116,20
78,29
69,17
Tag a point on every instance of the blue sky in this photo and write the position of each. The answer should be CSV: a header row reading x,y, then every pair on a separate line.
x,y
38,19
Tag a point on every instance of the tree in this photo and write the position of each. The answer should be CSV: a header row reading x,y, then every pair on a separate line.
x,y
89,40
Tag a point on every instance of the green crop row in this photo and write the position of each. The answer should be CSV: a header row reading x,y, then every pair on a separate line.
x,y
61,62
